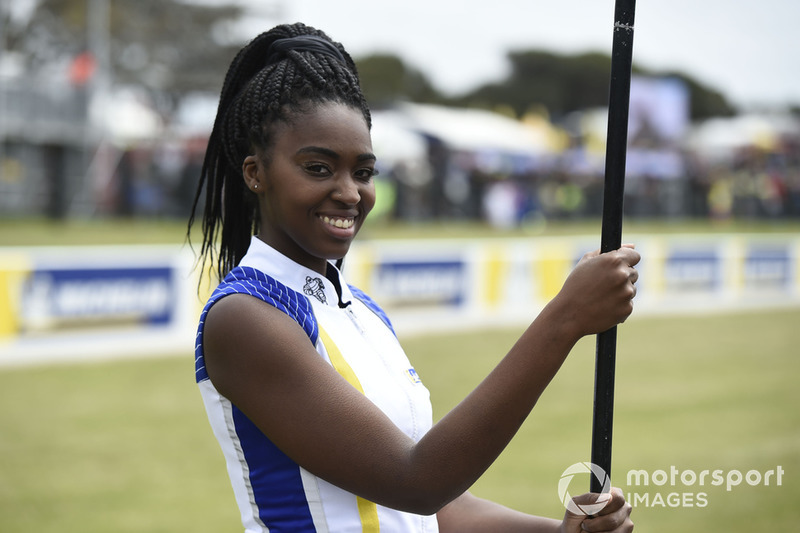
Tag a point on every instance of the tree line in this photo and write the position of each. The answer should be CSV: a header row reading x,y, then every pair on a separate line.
x,y
171,48
557,83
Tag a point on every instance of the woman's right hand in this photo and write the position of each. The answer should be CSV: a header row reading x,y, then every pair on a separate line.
x,y
599,292
614,517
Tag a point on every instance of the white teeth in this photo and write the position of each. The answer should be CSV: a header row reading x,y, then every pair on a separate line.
x,y
339,222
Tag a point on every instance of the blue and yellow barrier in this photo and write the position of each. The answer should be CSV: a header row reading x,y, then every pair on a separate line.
x,y
65,303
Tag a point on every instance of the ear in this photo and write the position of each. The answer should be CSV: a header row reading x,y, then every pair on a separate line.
x,y
252,176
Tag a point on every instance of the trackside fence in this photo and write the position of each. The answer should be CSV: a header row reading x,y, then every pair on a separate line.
x,y
68,303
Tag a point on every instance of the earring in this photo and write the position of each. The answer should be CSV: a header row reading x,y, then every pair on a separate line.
x,y
255,186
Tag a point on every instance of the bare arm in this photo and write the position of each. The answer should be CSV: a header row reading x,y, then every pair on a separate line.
x,y
470,514
258,357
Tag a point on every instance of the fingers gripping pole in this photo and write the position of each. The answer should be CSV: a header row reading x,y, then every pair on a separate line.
x,y
611,239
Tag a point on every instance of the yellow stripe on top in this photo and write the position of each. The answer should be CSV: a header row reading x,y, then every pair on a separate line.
x,y
338,361
367,510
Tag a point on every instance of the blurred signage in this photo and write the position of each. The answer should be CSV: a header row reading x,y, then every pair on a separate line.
x,y
62,303
420,282
54,299
767,268
692,271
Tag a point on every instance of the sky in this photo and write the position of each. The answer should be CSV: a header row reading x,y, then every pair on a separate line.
x,y
746,50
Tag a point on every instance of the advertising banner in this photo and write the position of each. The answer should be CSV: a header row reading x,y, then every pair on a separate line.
x,y
93,302
63,303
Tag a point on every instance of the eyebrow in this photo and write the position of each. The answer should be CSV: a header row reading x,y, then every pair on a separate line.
x,y
333,154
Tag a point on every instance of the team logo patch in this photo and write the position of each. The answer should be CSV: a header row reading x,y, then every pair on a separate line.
x,y
314,287
412,375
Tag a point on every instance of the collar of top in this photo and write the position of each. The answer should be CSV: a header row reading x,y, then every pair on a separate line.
x,y
314,285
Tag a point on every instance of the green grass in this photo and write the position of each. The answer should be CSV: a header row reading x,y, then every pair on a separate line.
x,y
41,232
715,392
124,446
110,447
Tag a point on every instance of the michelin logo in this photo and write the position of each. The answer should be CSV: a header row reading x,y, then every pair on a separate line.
x,y
55,298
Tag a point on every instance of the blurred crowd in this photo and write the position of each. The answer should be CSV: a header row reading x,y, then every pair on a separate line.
x,y
435,163
751,182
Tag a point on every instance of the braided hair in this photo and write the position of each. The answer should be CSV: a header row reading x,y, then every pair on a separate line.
x,y
269,80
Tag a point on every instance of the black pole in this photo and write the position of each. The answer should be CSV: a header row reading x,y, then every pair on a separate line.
x,y
611,239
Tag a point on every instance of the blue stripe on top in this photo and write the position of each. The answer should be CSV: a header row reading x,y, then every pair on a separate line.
x,y
374,307
275,479
247,280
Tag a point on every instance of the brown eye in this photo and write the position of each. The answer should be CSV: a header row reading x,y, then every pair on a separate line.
x,y
366,174
317,169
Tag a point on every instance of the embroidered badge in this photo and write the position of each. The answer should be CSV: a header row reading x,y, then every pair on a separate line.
x,y
314,287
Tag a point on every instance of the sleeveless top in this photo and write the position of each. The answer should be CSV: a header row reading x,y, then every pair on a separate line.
x,y
350,332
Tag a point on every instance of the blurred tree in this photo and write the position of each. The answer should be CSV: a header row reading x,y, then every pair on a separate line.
x,y
385,78
167,46
560,83
566,83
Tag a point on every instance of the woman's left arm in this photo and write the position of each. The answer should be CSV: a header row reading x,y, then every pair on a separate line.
x,y
470,514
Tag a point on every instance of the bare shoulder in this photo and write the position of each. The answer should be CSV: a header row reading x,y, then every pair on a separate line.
x,y
246,337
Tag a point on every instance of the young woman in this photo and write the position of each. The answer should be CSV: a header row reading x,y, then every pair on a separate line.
x,y
323,422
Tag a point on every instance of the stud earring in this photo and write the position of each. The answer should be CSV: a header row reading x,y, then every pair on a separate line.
x,y
255,186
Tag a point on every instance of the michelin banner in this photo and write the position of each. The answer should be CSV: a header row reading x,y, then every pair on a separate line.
x,y
89,302
429,285
96,302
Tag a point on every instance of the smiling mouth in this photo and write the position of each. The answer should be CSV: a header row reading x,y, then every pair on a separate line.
x,y
342,223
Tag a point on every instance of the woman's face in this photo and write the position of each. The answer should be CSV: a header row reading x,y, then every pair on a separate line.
x,y
315,185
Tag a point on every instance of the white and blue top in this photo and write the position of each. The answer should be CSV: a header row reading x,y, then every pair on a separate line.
x,y
351,333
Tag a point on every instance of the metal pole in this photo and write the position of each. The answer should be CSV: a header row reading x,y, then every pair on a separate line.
x,y
3,89
98,27
611,238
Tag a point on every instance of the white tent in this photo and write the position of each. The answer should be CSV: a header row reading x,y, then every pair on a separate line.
x,y
125,117
475,130
393,140
721,137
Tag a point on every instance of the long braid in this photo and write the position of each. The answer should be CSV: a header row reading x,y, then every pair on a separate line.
x,y
255,95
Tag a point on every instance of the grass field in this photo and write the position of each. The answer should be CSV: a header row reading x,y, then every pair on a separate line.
x,y
36,232
124,446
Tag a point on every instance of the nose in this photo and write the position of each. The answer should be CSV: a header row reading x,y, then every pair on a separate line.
x,y
347,191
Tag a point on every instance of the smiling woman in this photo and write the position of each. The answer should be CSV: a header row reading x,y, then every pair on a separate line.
x,y
315,186
322,419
